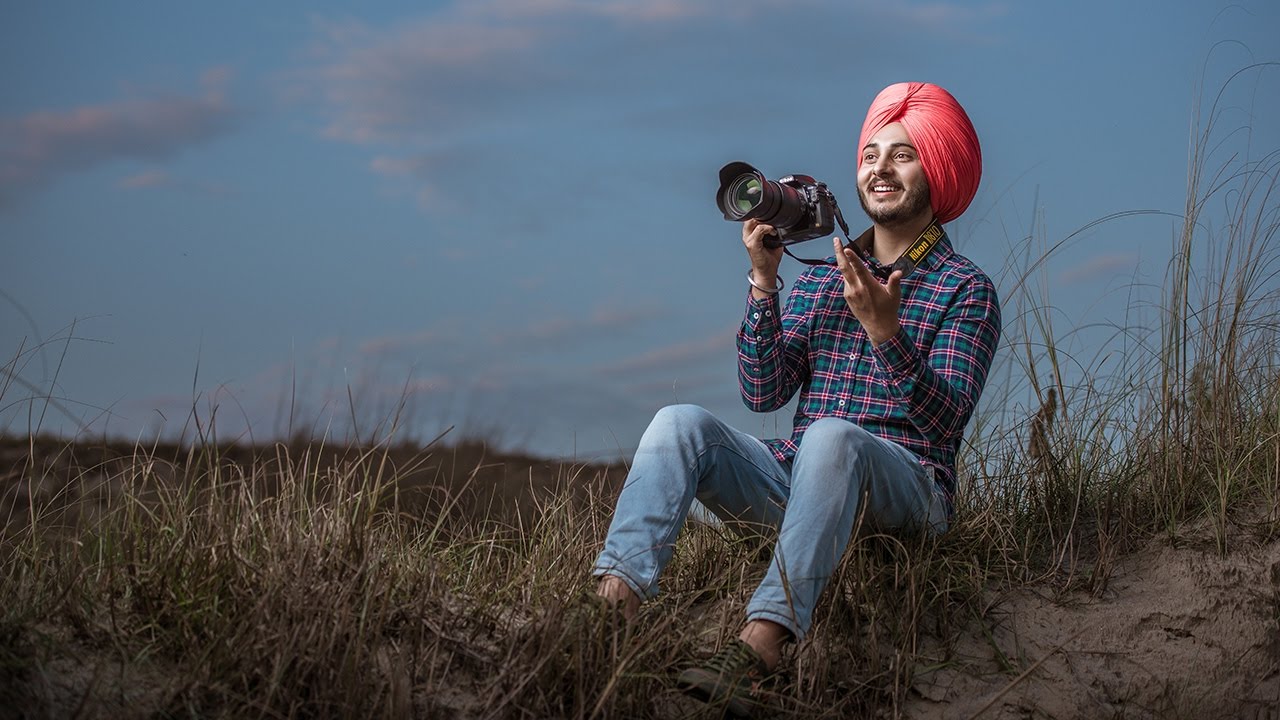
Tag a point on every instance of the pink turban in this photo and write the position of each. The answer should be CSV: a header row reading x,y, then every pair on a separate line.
x,y
943,136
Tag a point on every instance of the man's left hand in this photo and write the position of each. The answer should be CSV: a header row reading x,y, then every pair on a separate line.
x,y
874,305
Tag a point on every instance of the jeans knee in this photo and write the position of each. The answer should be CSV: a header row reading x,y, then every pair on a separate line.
x,y
830,454
681,422
835,436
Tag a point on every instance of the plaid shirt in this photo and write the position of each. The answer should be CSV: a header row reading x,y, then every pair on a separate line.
x,y
917,389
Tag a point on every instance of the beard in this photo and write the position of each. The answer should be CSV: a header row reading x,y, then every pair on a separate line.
x,y
913,203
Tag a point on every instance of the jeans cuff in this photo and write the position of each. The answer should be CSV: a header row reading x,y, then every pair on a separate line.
x,y
617,570
786,619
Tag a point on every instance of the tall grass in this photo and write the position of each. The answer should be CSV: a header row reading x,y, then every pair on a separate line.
x,y
301,580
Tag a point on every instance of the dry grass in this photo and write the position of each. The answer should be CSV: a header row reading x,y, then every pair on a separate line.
x,y
309,583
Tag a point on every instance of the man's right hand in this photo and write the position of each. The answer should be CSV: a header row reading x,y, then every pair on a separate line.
x,y
764,260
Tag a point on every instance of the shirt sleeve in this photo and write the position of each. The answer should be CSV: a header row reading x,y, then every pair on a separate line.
x,y
773,347
939,392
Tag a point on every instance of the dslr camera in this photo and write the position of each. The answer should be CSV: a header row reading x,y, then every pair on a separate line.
x,y
798,207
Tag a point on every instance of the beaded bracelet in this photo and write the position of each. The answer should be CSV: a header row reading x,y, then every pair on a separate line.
x,y
774,291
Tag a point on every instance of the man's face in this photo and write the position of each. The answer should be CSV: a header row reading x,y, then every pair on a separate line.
x,y
891,184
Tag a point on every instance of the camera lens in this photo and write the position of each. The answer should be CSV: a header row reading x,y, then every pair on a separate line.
x,y
746,193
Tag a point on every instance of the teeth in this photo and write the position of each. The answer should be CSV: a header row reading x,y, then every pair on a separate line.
x,y
883,188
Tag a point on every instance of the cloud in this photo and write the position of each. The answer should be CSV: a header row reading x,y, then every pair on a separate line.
x,y
1106,265
471,61
423,171
157,178
148,179
396,343
555,332
413,80
397,166
37,148
445,375
618,10
449,343
676,356
476,77
944,16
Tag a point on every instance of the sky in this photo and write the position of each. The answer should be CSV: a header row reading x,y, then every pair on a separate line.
x,y
498,216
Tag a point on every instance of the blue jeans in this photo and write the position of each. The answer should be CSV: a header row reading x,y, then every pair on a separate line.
x,y
812,502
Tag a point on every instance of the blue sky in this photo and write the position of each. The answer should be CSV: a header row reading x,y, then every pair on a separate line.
x,y
502,210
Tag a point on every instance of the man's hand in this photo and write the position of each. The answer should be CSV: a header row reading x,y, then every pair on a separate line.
x,y
874,305
764,260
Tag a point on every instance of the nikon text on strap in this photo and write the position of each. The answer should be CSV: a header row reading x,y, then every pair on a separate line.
x,y
906,262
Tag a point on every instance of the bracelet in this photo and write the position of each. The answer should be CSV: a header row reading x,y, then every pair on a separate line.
x,y
774,291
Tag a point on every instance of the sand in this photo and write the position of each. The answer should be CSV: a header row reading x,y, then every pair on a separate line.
x,y
1180,631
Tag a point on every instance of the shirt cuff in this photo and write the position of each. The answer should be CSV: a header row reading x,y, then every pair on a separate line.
x,y
897,357
762,315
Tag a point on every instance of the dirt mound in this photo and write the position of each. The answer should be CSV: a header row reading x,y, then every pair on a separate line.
x,y
1180,632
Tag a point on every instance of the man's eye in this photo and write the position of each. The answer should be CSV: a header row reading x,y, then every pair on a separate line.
x,y
868,158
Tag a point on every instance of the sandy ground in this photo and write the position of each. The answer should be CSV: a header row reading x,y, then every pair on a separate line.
x,y
1179,632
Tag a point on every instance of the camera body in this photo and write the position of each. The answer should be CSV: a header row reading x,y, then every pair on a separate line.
x,y
817,220
797,206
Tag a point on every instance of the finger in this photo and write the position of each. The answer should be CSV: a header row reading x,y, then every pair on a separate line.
x,y
841,260
758,231
894,285
846,259
858,269
851,265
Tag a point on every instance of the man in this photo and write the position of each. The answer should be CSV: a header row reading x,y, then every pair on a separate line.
x,y
888,374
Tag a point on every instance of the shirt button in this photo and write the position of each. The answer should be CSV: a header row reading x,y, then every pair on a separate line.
x,y
758,337
841,403
768,313
755,316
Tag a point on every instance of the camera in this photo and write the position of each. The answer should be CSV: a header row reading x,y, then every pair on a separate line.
x,y
798,207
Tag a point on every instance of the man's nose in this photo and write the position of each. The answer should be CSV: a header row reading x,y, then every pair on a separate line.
x,y
882,166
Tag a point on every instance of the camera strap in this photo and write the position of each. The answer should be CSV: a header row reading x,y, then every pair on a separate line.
x,y
906,262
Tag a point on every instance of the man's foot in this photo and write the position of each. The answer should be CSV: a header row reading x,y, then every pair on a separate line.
x,y
617,592
590,615
731,678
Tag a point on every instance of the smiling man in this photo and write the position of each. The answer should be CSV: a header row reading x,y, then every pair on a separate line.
x,y
888,375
